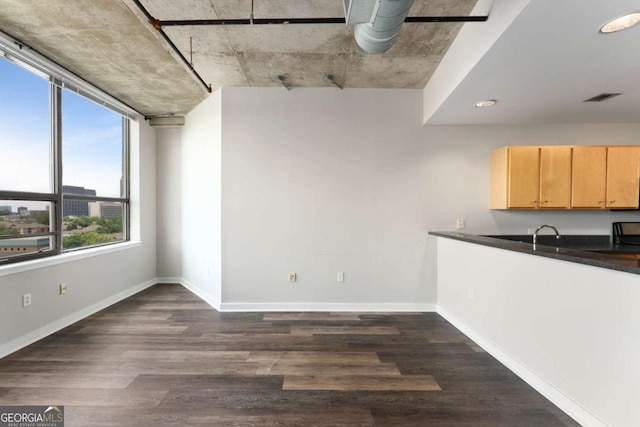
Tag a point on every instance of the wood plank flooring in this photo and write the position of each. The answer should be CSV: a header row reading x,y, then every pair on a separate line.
x,y
165,358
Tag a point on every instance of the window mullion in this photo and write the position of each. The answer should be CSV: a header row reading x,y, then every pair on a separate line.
x,y
26,195
94,198
126,191
56,161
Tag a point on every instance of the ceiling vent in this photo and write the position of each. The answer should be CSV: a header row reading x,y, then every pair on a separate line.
x,y
602,97
377,22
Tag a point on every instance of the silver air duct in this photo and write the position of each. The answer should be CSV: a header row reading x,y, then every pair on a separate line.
x,y
377,22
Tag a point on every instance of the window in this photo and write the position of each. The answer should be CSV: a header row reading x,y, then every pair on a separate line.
x,y
94,194
63,160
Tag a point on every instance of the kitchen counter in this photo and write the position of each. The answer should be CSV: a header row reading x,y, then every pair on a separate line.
x,y
561,317
595,250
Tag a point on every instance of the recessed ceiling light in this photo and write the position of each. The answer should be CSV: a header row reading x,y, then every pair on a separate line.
x,y
621,23
486,103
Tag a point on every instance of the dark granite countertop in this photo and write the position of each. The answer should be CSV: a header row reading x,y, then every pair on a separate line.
x,y
592,250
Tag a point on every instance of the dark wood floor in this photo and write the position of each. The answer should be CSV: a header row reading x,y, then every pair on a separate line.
x,y
165,358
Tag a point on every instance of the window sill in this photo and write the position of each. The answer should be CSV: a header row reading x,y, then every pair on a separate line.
x,y
65,257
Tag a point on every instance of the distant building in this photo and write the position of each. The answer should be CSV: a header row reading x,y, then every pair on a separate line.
x,y
105,209
76,207
29,228
22,210
23,246
34,213
5,209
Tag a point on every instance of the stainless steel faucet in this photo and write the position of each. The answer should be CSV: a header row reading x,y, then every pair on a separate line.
x,y
535,233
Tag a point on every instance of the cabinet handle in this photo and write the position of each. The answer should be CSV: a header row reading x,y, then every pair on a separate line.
x,y
534,202
546,201
600,202
612,201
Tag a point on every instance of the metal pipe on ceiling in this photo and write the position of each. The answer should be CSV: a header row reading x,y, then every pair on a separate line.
x,y
157,25
296,21
377,22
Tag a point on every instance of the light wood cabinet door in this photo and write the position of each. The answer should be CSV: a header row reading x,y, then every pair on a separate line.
x,y
555,177
498,180
588,177
561,177
523,168
623,170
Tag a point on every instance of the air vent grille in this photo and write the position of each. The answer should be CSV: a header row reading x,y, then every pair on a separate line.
x,y
602,97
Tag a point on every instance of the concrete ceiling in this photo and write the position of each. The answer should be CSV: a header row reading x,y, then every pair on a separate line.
x,y
111,44
549,59
104,43
540,61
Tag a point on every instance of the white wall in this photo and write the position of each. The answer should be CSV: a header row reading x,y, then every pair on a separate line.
x,y
317,181
92,282
569,329
320,181
169,203
200,202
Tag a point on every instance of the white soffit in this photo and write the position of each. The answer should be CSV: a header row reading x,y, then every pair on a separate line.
x,y
550,59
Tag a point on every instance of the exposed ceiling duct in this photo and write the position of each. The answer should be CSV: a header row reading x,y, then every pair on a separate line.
x,y
377,22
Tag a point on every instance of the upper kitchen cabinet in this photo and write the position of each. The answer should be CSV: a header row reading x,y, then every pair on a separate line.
x,y
561,177
605,177
530,177
589,177
555,177
623,170
514,178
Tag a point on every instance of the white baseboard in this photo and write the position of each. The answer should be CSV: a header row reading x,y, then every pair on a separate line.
x,y
205,296
557,397
28,339
301,306
351,307
170,280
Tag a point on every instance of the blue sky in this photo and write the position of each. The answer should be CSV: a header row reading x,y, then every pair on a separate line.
x,y
91,137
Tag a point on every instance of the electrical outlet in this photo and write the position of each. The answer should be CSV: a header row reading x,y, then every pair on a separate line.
x,y
63,288
292,277
26,300
470,293
460,224
340,276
